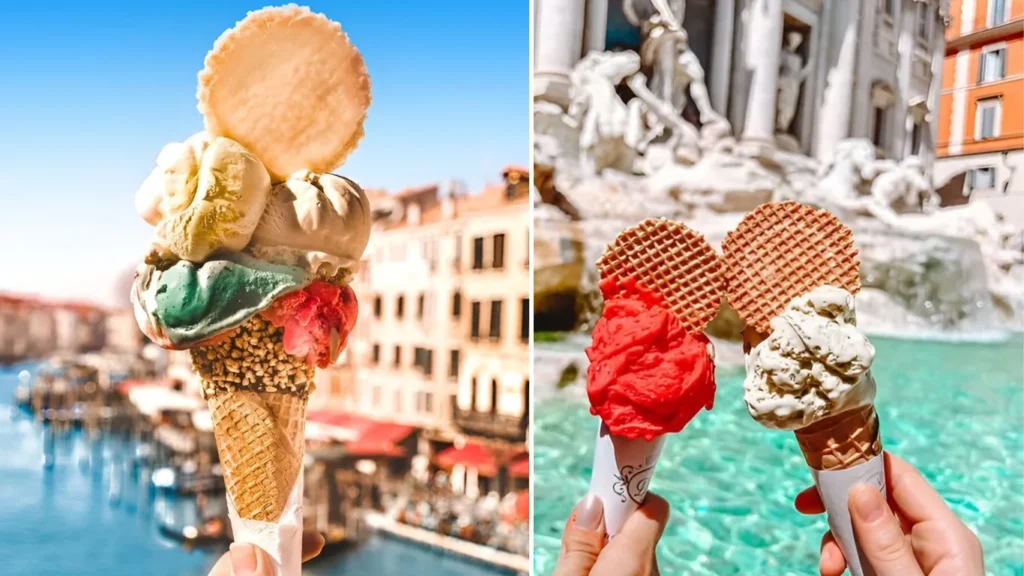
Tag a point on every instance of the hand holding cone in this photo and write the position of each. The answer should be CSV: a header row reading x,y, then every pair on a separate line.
x,y
791,272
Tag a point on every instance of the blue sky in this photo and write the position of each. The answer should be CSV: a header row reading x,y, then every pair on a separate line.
x,y
90,92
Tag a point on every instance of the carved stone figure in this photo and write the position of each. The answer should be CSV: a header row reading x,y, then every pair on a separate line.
x,y
661,32
603,118
904,188
792,73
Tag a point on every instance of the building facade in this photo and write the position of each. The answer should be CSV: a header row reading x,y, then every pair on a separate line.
x,y
873,67
981,129
442,341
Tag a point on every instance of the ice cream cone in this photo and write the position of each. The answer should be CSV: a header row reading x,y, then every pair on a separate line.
x,y
257,395
843,451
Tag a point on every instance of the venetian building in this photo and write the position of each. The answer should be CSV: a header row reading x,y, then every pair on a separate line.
x,y
869,69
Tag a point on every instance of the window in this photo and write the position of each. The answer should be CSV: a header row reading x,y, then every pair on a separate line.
x,y
457,305
475,403
398,401
888,7
398,356
981,178
474,321
915,138
494,396
498,257
997,12
921,21
376,396
988,118
993,64
400,307
878,128
495,331
376,354
478,253
453,365
424,360
378,306
420,303
524,320
458,252
428,402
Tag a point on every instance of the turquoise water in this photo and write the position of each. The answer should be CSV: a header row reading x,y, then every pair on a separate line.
x,y
954,410
68,506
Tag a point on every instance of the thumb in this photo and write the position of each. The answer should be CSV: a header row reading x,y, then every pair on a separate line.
x,y
583,538
248,560
879,535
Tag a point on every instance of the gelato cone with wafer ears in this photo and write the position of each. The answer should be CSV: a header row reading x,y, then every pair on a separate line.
x,y
651,368
254,248
791,273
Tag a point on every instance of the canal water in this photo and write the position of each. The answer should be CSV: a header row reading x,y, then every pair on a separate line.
x,y
71,504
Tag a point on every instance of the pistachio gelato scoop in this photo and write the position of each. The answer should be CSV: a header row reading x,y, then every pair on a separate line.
x,y
320,222
814,364
205,195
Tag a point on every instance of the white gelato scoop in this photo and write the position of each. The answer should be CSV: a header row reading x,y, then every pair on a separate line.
x,y
814,364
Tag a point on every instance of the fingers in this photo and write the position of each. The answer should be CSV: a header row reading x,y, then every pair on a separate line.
x,y
243,560
879,535
631,552
582,539
809,502
247,560
312,545
832,562
914,497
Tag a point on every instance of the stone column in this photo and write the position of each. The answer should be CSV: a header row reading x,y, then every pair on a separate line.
x,y
721,54
931,128
597,26
558,42
833,120
904,75
763,45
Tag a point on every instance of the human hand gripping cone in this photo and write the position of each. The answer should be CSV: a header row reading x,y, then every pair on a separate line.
x,y
254,249
652,369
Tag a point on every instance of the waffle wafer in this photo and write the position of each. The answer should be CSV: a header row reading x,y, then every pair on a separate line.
x,y
287,84
673,261
782,250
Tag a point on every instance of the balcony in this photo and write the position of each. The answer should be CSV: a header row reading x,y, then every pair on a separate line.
x,y
490,425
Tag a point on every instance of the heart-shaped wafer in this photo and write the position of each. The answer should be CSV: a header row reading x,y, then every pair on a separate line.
x,y
782,250
287,84
673,261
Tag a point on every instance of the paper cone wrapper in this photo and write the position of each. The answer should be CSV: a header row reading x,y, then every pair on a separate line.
x,y
623,469
843,451
282,540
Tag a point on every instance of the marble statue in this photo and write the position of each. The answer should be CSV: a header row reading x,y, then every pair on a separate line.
x,y
602,117
904,188
792,73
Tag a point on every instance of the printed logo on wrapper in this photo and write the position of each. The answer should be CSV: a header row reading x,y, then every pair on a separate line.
x,y
632,481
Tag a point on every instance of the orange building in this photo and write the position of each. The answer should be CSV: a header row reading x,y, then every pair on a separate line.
x,y
981,109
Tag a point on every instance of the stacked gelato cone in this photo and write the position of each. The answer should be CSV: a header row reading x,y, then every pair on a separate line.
x,y
791,273
652,369
254,246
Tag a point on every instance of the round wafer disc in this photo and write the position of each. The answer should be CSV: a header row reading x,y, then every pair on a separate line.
x,y
288,85
673,261
782,250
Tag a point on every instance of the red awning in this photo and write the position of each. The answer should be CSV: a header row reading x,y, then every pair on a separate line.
x,y
472,455
523,505
369,437
520,468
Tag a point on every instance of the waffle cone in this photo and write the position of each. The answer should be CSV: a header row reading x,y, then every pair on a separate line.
x,y
841,441
257,395
782,250
675,262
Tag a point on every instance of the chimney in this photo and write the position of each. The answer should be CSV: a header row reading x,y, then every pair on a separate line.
x,y
412,214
